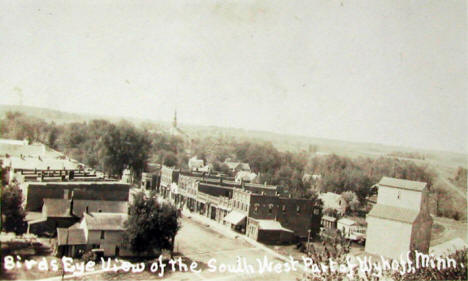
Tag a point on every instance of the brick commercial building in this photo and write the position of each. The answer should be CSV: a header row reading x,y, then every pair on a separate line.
x,y
400,221
245,206
36,192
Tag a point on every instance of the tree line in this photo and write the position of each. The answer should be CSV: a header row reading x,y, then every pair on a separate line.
x,y
111,147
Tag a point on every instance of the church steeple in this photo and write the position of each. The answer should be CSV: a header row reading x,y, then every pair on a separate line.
x,y
174,122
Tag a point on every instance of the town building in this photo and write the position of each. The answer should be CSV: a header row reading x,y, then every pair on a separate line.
x,y
35,192
150,181
20,156
62,213
169,177
233,203
400,221
99,231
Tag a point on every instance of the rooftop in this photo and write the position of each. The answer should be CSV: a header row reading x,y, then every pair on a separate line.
x,y
105,221
79,206
271,225
403,184
393,213
57,208
41,163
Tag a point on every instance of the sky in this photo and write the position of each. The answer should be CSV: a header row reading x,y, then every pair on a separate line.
x,y
391,71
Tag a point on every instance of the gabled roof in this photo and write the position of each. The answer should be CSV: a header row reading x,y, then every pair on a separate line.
x,y
105,221
58,208
393,213
403,184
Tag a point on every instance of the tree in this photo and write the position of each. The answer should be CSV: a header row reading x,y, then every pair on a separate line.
x,y
151,226
170,159
13,213
441,197
125,146
351,199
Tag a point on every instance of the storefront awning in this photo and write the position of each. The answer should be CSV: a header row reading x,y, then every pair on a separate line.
x,y
235,217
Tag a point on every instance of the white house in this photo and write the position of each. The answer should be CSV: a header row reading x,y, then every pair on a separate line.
x,y
195,164
245,176
333,201
400,221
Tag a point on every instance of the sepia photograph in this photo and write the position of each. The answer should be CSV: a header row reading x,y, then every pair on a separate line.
x,y
301,140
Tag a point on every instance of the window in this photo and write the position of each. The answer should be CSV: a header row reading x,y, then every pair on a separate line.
x,y
270,208
298,209
256,205
102,234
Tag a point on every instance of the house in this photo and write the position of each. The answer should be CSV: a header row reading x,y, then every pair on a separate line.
x,y
103,231
400,221
207,168
333,201
126,176
237,166
245,176
195,164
